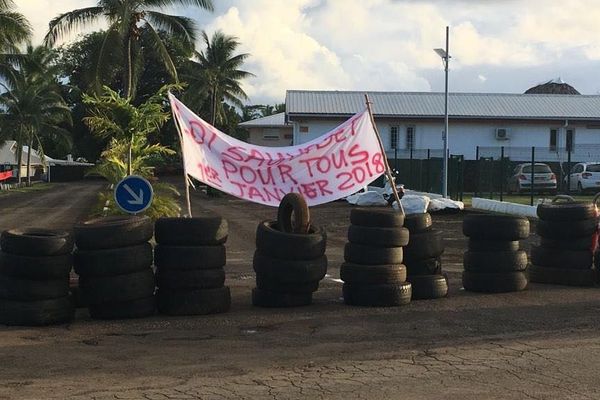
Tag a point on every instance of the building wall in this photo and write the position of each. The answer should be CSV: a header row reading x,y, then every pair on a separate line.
x,y
261,136
465,136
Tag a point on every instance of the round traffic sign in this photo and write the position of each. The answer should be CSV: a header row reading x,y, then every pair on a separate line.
x,y
134,194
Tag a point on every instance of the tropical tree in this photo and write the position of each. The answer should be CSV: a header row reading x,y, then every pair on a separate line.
x,y
214,76
14,30
126,19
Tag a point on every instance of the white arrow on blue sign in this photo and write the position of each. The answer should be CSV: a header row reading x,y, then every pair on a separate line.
x,y
134,194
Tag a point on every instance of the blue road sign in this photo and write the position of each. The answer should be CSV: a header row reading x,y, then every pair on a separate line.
x,y
133,194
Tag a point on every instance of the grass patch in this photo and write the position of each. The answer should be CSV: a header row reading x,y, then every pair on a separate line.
x,y
38,187
523,199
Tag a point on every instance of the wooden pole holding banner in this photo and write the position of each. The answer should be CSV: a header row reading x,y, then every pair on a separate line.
x,y
388,170
185,175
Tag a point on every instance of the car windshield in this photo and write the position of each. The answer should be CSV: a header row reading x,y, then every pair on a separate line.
x,y
537,169
593,168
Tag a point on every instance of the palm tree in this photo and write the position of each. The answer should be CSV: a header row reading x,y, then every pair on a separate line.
x,y
214,75
126,19
14,30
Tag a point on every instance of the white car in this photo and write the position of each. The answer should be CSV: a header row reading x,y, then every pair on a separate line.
x,y
544,180
584,177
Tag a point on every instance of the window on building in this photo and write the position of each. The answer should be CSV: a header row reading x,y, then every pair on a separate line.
x,y
410,137
271,134
553,139
304,129
570,139
394,137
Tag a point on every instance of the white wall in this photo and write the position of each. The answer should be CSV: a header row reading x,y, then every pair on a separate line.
x,y
256,136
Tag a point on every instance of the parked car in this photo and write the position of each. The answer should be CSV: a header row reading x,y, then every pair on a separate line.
x,y
544,179
584,177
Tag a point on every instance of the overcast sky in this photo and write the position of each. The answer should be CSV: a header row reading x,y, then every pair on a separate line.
x,y
386,45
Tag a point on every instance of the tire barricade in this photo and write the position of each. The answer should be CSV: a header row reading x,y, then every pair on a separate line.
x,y
494,263
189,257
373,272
568,232
289,260
422,257
114,262
34,277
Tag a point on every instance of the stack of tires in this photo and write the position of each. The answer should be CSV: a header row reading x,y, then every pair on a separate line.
x,y
34,277
568,236
114,262
189,258
373,272
290,257
422,257
494,262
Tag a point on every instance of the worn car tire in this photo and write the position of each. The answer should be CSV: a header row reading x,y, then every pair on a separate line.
x,y
372,274
416,223
29,290
194,302
580,243
118,288
112,232
109,262
190,279
376,236
493,245
293,203
35,268
290,246
572,211
36,313
138,308
563,276
495,227
386,295
428,286
427,266
35,242
270,299
567,229
370,255
494,282
197,231
560,258
290,271
425,244
495,261
184,258
380,217
264,282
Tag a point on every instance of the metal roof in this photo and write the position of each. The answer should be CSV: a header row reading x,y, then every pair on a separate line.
x,y
431,105
275,120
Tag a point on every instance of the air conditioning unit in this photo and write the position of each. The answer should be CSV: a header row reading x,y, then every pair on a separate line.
x,y
502,134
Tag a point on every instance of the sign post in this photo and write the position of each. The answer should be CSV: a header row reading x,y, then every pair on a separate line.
x,y
134,194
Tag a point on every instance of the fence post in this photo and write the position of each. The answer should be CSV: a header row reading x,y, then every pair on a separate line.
x,y
428,170
532,173
502,173
478,170
569,170
396,158
410,169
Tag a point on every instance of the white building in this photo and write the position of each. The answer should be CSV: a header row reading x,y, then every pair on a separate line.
x,y
270,131
411,120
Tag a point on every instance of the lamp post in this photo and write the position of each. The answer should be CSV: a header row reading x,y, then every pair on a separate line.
x,y
445,55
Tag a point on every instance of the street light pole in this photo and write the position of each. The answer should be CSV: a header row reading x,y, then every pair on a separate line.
x,y
445,55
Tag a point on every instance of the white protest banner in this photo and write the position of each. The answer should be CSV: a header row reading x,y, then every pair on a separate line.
x,y
328,168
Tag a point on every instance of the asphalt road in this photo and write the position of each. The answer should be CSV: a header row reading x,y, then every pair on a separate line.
x,y
542,343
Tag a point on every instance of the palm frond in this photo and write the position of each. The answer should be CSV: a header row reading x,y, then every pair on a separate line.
x,y
65,23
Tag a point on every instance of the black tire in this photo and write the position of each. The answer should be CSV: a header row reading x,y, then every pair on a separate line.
x,y
266,283
380,217
495,261
429,287
197,231
35,268
493,245
293,203
380,237
290,246
428,266
118,288
561,276
567,229
495,227
288,271
194,302
560,258
389,295
416,223
112,232
427,244
266,298
192,279
369,255
566,211
494,282
28,290
36,313
581,243
109,262
372,274
185,258
138,308
36,242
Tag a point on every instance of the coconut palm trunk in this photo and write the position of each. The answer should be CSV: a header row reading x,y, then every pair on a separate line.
x,y
29,150
19,158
